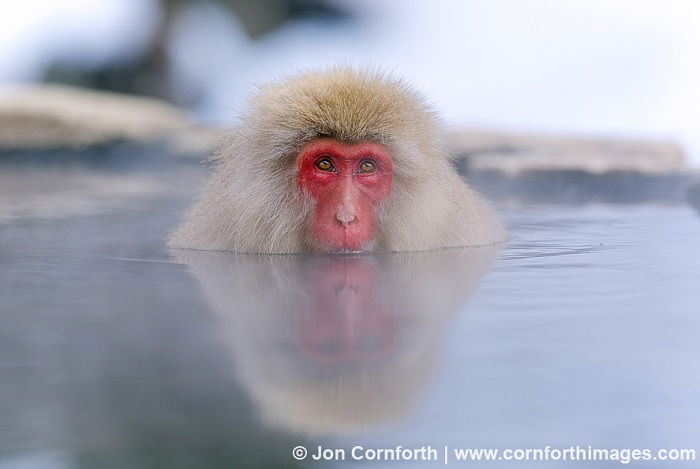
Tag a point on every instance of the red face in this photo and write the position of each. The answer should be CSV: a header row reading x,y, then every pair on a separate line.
x,y
347,182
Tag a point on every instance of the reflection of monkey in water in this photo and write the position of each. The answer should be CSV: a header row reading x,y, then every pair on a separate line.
x,y
346,320
344,160
334,344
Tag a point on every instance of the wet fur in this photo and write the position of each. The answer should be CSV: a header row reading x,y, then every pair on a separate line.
x,y
252,204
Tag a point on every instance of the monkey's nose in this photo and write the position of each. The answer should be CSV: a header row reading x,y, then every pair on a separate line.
x,y
345,217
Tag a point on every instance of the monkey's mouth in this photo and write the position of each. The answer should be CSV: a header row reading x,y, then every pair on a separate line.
x,y
340,248
347,243
330,238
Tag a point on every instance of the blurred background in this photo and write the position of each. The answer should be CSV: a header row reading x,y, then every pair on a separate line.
x,y
607,68
118,353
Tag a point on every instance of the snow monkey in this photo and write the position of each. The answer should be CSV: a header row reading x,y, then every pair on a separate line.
x,y
344,160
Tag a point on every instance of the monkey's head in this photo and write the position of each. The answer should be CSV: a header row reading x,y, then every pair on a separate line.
x,y
350,138
342,160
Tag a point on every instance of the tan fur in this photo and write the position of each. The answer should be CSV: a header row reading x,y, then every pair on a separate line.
x,y
252,203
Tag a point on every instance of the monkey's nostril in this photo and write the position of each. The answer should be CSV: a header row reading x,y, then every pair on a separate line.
x,y
345,218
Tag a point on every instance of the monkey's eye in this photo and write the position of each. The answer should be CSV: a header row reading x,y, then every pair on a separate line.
x,y
368,166
324,164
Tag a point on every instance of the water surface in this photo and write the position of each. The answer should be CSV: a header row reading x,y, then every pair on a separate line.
x,y
116,352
